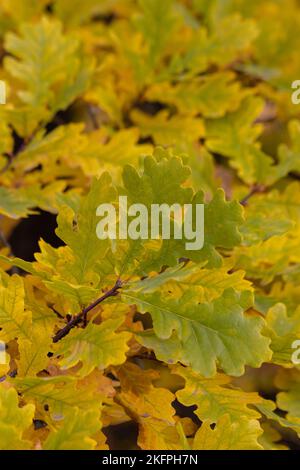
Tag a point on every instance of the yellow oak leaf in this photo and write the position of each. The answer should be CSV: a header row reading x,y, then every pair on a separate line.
x,y
14,420
240,435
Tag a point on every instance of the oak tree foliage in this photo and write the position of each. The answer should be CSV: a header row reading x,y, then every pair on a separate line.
x,y
184,101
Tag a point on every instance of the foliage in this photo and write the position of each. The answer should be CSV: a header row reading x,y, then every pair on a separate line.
x,y
183,101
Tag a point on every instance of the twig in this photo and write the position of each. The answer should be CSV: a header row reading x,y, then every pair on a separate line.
x,y
75,320
257,188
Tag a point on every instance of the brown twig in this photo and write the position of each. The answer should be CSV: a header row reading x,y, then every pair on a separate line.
x,y
257,188
75,320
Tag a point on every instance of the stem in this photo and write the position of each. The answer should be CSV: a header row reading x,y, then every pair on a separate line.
x,y
75,320
257,188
